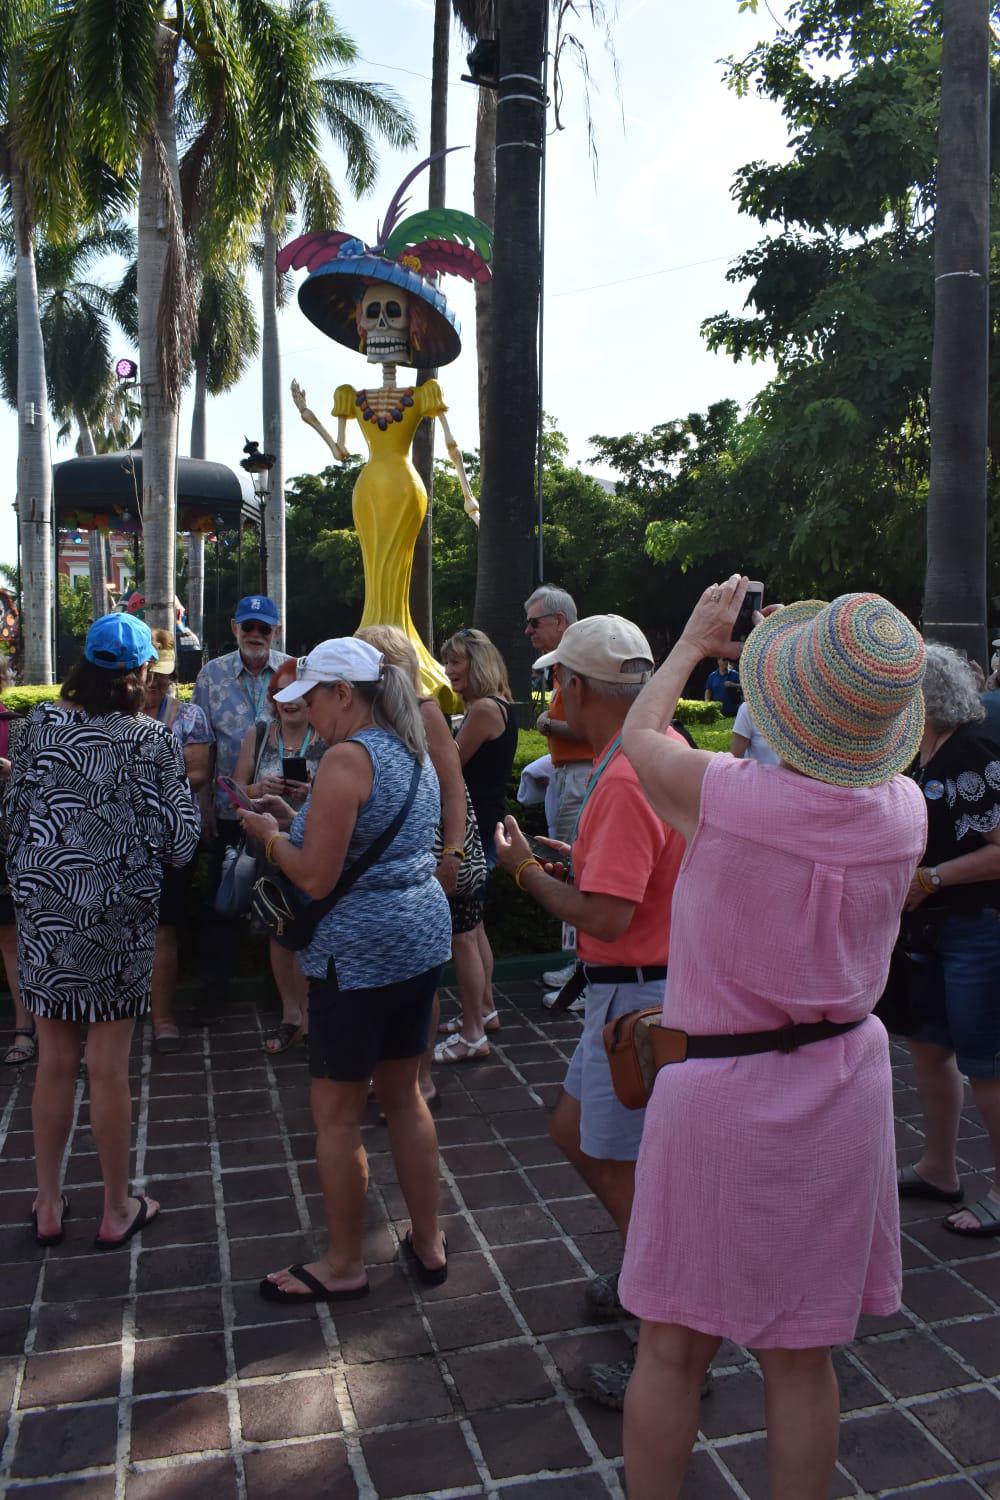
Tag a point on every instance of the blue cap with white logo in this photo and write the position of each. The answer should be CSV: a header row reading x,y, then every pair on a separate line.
x,y
256,607
119,643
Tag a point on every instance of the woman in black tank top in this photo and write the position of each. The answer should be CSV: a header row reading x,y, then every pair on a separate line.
x,y
487,741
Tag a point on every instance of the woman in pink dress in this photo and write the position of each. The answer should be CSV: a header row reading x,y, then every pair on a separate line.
x,y
765,1204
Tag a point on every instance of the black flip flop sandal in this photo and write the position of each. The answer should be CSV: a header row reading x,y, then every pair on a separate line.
x,y
141,1219
286,1035
51,1239
987,1214
428,1275
317,1292
910,1184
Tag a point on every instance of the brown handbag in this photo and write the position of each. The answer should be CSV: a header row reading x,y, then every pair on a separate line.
x,y
637,1047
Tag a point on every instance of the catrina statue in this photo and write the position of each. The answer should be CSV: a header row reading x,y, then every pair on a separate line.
x,y
383,301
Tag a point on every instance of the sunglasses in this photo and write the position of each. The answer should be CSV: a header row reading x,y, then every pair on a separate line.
x,y
250,626
533,621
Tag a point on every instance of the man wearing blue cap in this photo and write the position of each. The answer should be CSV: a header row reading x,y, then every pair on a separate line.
x,y
232,690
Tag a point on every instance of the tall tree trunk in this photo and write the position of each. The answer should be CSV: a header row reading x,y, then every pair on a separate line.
x,y
484,205
96,555
955,588
162,284
199,414
270,364
34,468
506,549
196,584
422,577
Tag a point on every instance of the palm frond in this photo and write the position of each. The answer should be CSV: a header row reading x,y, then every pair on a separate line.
x,y
354,112
320,205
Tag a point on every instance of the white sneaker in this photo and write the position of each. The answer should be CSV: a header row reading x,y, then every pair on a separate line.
x,y
556,978
550,997
579,1005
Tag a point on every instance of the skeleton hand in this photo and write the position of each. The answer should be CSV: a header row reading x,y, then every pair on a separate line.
x,y
299,397
338,450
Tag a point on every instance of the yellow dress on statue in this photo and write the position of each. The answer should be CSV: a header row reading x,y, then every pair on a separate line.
x,y
389,505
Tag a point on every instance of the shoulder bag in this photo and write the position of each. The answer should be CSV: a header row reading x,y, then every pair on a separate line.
x,y
241,863
275,904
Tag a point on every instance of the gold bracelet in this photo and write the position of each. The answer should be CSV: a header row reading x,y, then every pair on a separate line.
x,y
269,846
531,860
928,886
454,850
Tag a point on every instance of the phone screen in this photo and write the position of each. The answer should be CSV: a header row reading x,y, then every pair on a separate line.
x,y
237,796
294,768
545,854
752,601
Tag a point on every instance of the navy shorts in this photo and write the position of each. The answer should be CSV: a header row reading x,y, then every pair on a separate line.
x,y
352,1030
959,993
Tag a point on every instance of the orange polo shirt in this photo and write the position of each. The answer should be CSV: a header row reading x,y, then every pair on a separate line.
x,y
564,751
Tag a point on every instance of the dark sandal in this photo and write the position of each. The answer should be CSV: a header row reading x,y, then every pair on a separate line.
x,y
287,1035
317,1291
429,1275
50,1239
167,1043
27,1051
141,1219
987,1212
911,1185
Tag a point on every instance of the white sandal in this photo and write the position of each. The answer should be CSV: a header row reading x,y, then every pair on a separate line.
x,y
457,1049
449,1028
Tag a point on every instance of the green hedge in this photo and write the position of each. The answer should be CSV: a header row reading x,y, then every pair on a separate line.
x,y
696,711
21,700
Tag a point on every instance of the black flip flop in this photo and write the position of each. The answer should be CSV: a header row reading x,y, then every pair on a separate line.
x,y
50,1239
987,1214
428,1275
142,1218
317,1292
910,1184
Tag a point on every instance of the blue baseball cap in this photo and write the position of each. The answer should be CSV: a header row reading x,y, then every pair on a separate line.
x,y
256,607
119,642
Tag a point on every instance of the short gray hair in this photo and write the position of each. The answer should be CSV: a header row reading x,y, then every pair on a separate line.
x,y
951,696
553,602
629,691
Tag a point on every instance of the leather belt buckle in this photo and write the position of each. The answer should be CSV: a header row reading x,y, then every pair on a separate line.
x,y
668,1046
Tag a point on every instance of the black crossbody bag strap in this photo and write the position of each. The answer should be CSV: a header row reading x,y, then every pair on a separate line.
x,y
317,910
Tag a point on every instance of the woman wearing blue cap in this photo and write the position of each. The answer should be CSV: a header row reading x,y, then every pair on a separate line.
x,y
98,803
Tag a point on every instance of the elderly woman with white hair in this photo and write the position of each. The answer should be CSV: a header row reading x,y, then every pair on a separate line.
x,y
956,889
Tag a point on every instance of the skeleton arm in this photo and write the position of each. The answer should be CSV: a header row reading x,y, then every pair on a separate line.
x,y
335,445
455,454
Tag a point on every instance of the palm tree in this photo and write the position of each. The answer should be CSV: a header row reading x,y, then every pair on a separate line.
x,y
955,588
34,469
297,99
102,84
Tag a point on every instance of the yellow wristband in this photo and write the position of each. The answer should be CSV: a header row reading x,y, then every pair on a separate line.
x,y
531,860
453,850
269,846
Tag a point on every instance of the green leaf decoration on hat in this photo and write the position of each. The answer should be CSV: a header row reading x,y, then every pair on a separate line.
x,y
450,224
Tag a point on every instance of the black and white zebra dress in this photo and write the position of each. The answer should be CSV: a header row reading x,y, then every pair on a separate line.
x,y
96,807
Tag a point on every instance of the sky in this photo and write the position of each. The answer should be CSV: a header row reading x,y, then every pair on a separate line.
x,y
635,259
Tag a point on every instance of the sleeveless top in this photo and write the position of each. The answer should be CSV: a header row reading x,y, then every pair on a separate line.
x,y
395,922
487,774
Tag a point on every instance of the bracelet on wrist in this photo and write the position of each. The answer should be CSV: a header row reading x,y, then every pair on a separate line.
x,y
928,879
269,846
454,851
531,860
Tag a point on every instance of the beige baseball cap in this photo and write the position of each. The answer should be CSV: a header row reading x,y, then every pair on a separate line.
x,y
598,646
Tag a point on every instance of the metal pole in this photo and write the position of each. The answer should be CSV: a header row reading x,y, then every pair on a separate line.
x,y
55,599
239,557
218,523
540,457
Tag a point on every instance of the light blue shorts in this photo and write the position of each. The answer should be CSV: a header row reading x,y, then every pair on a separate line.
x,y
608,1130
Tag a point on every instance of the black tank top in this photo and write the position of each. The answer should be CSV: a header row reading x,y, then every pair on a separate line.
x,y
487,774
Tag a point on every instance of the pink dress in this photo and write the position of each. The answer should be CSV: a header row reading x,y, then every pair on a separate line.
x,y
766,1208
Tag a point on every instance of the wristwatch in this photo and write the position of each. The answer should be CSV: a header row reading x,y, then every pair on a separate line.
x,y
929,878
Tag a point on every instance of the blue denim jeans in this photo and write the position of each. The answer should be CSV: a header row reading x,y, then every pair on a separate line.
x,y
960,993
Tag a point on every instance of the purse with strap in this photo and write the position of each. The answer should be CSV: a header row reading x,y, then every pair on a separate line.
x,y
275,903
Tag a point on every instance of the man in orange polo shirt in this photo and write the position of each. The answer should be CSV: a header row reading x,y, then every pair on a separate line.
x,y
625,861
548,613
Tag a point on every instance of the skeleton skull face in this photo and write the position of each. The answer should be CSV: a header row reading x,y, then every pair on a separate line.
x,y
384,318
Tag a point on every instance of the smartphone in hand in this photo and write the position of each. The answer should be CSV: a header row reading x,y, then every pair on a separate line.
x,y
294,768
545,854
752,601
236,795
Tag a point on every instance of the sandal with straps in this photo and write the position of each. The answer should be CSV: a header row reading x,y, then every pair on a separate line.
x,y
287,1035
449,1028
20,1053
458,1049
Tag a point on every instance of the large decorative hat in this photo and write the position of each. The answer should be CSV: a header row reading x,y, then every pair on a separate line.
x,y
835,688
438,241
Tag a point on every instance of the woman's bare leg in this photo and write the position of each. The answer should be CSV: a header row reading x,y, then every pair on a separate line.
x,y
939,1085
471,980
293,989
486,958
23,1019
164,981
803,1421
426,1058
108,1044
52,1114
414,1146
661,1408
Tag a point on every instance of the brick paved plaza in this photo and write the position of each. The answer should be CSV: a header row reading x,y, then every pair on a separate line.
x,y
157,1371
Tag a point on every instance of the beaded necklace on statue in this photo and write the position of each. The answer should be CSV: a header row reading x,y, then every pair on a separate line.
x,y
394,414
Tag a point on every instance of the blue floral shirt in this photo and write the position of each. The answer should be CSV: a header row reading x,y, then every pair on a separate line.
x,y
232,700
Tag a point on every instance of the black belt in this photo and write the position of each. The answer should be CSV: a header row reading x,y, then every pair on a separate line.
x,y
620,974
671,1046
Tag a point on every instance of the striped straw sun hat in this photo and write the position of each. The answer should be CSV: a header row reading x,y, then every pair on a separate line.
x,y
835,688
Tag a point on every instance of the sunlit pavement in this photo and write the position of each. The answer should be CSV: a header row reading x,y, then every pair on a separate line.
x,y
157,1371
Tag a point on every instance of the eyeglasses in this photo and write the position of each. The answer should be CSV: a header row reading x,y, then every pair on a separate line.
x,y
533,621
250,625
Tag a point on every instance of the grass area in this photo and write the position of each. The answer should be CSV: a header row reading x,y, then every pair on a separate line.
x,y
713,736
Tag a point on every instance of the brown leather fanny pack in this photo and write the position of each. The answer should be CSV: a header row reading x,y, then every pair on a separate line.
x,y
638,1047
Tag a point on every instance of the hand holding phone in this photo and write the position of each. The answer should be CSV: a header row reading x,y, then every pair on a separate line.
x,y
235,794
542,850
752,601
294,768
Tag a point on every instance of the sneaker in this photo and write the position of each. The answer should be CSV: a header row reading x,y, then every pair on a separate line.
x,y
550,997
556,978
579,1005
607,1384
601,1296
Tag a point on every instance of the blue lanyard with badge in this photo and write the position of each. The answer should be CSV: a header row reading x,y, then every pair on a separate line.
x,y
256,696
596,775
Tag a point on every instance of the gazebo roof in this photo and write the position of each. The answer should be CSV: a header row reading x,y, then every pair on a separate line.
x,y
105,489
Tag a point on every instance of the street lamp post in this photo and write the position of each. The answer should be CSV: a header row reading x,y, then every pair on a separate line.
x,y
259,465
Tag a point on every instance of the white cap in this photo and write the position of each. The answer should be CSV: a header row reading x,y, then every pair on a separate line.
x,y
996,642
599,647
345,659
